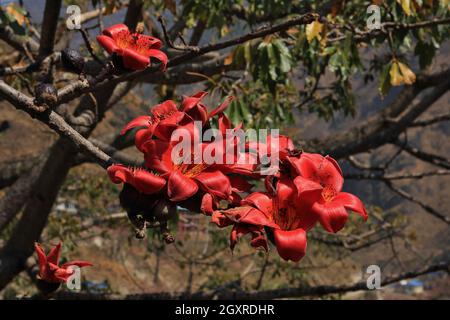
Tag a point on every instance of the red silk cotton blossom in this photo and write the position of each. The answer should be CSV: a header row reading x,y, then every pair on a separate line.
x,y
49,268
302,191
135,49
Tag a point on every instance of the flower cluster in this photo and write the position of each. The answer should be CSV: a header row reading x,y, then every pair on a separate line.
x,y
305,189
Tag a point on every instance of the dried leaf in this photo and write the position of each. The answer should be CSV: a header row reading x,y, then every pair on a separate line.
x,y
13,11
406,6
401,74
313,30
408,75
229,59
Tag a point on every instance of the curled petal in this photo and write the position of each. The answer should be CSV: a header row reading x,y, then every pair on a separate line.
x,y
137,122
351,202
220,219
142,136
291,244
53,255
147,182
118,174
180,187
308,190
260,201
332,216
189,102
159,55
215,183
164,109
147,43
114,30
221,108
207,205
133,60
108,43
142,180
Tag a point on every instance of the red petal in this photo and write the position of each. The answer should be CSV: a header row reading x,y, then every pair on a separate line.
x,y
42,259
158,156
261,201
291,245
224,123
286,190
53,255
133,60
215,183
351,202
163,109
179,187
137,122
321,170
119,173
144,41
332,216
189,102
308,190
115,29
221,108
159,55
108,43
220,219
142,136
62,274
207,204
147,182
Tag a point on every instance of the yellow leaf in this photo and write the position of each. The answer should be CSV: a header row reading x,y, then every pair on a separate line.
x,y
12,11
406,6
229,59
408,76
313,30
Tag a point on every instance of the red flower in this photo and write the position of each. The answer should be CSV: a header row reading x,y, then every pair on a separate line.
x,y
320,181
283,213
186,178
141,179
135,49
49,269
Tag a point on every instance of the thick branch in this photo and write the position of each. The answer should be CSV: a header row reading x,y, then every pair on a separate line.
x,y
49,24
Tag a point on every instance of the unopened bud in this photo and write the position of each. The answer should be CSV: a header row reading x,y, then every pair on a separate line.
x,y
72,60
46,93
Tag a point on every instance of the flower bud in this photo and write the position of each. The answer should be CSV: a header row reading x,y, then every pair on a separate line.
x,y
72,60
46,93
